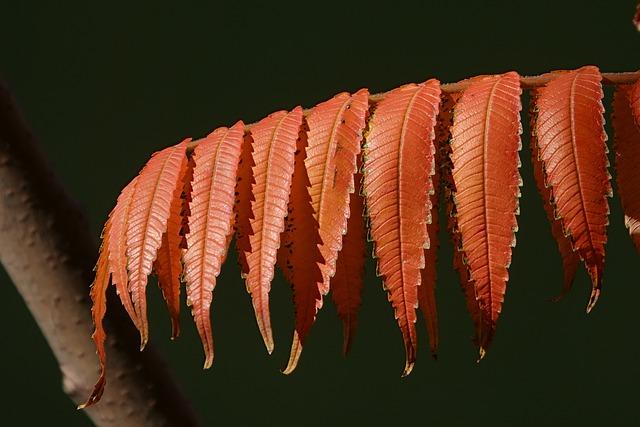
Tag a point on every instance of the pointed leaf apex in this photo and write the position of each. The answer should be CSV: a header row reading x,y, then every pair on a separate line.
x,y
482,352
144,338
408,367
175,329
268,341
208,361
294,356
346,337
595,294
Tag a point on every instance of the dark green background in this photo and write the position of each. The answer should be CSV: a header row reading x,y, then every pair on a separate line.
x,y
104,86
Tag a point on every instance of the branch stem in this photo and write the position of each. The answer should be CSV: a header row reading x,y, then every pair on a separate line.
x,y
527,82
47,250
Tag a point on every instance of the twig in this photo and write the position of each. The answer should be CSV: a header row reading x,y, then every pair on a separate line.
x,y
530,82
527,82
46,248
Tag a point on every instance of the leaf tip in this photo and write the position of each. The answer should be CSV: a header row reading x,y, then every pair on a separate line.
x,y
294,355
347,337
175,329
408,367
596,280
144,338
264,325
482,352
595,294
288,370
292,364
96,394
268,341
208,361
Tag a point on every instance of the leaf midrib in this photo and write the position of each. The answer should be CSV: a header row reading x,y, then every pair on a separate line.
x,y
205,239
485,145
399,229
574,153
261,252
121,249
145,235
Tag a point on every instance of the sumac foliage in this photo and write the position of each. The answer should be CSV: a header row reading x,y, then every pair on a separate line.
x,y
301,189
485,140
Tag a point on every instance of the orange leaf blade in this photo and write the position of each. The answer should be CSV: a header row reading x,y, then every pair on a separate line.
x,y
427,289
116,245
243,199
571,145
319,205
274,144
168,264
299,255
347,284
98,310
627,148
148,215
335,136
448,103
634,100
398,164
570,259
466,285
485,140
216,161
